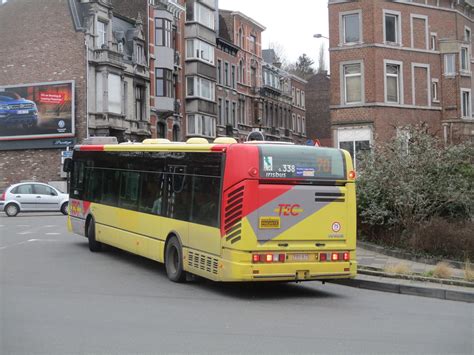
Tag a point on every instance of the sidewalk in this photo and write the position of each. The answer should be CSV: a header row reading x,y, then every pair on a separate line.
x,y
380,261
379,280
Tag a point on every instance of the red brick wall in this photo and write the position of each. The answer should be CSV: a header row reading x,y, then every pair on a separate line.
x,y
39,44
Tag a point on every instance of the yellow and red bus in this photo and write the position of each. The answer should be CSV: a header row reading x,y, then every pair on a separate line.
x,y
226,211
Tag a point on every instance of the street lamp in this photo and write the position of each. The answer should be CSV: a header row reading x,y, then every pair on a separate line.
x,y
319,35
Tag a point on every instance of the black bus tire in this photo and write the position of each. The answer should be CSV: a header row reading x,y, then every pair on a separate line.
x,y
94,245
174,261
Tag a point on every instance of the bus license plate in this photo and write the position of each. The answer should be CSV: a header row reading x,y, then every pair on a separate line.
x,y
22,112
300,257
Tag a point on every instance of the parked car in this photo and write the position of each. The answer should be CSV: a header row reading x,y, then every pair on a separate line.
x,y
16,111
33,197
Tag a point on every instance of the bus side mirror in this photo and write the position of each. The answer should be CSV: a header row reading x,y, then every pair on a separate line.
x,y
67,166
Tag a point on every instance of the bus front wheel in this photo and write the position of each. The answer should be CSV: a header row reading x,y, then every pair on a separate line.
x,y
94,245
174,260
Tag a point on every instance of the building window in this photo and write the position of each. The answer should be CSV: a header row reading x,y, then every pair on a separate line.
x,y
163,31
303,100
234,114
196,49
241,72
200,87
139,54
164,83
176,131
115,93
219,72
433,41
392,28
466,103
219,112
201,125
232,76
199,13
161,130
352,83
351,28
101,34
227,111
355,141
298,123
242,111
139,102
449,64
99,88
240,38
393,83
434,90
293,95
467,35
298,97
253,43
293,122
303,125
464,59
226,74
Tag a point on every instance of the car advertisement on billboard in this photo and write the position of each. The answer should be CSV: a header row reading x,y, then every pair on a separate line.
x,y
37,111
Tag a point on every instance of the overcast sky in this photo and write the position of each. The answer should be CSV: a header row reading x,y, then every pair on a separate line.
x,y
292,23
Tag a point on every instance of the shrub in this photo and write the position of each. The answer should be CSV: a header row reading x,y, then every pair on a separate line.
x,y
443,271
407,184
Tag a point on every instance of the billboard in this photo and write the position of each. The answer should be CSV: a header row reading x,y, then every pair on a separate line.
x,y
37,111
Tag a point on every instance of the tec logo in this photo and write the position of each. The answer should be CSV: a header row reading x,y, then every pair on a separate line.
x,y
286,209
336,227
76,208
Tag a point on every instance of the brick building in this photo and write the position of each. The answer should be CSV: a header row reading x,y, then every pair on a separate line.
x,y
395,63
318,122
50,50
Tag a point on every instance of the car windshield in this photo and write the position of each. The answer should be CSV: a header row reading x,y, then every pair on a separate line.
x,y
6,98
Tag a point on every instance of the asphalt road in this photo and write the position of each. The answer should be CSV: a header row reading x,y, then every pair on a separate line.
x,y
56,297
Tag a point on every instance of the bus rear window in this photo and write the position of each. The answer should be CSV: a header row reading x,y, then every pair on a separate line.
x,y
301,162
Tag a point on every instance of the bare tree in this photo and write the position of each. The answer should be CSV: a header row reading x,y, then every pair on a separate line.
x,y
280,53
322,58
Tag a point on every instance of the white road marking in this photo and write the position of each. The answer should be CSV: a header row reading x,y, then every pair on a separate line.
x,y
52,233
50,226
29,241
24,233
23,225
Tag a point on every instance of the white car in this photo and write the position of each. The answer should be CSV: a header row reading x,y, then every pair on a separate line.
x,y
33,197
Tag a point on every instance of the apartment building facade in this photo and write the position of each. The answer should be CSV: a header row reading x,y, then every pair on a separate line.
x,y
396,63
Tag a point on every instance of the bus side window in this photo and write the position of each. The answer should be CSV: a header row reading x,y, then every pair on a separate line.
x,y
205,203
151,193
129,186
178,191
110,187
77,180
94,185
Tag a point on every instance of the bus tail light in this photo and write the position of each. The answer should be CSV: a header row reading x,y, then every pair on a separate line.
x,y
346,256
323,257
351,175
334,257
268,258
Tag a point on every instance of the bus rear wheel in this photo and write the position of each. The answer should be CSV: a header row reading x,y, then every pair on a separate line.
x,y
94,245
174,260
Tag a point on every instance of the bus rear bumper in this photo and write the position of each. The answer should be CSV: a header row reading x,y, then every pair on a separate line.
x,y
233,269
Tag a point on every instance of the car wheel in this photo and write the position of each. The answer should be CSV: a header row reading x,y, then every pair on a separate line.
x,y
94,245
11,210
174,261
64,208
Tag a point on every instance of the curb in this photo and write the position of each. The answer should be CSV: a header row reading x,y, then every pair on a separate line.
x,y
400,254
430,292
450,282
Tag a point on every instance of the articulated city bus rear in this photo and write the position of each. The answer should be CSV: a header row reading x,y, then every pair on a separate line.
x,y
292,218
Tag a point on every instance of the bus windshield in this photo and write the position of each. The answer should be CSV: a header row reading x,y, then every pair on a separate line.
x,y
301,162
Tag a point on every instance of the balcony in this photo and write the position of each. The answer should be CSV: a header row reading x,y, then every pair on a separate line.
x,y
107,56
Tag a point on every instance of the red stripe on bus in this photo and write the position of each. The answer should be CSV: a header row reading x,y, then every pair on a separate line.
x,y
88,148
